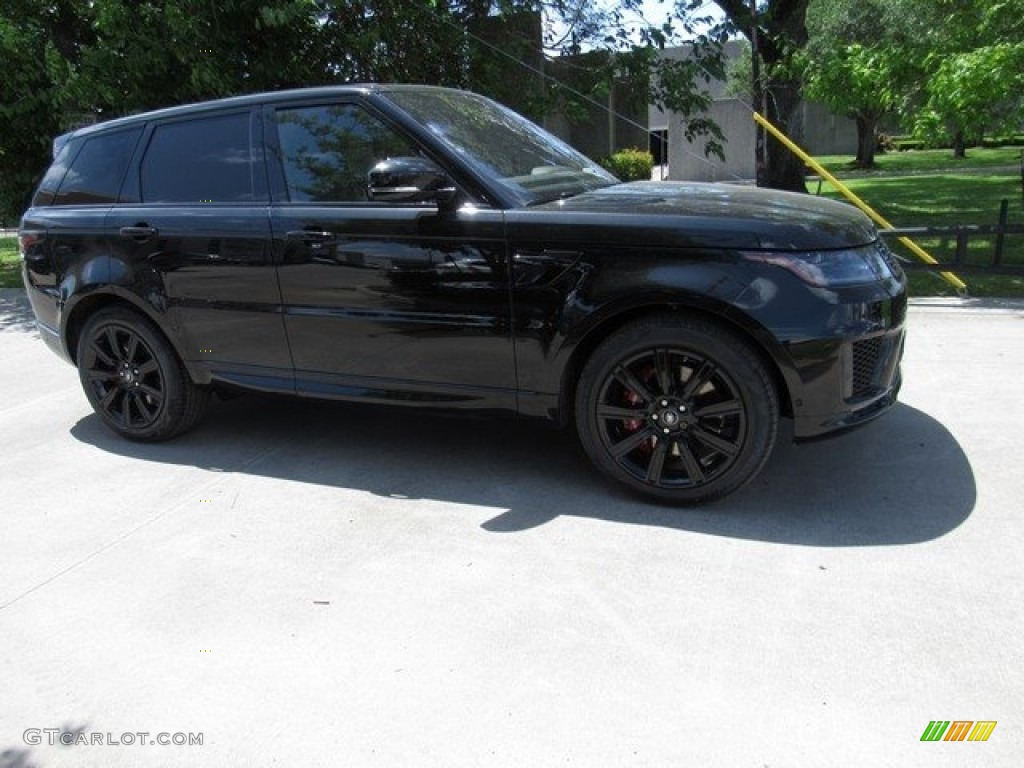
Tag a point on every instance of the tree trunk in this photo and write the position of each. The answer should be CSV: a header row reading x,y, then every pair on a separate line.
x,y
784,170
867,142
959,144
776,30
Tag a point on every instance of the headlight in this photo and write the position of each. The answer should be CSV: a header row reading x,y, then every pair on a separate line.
x,y
828,269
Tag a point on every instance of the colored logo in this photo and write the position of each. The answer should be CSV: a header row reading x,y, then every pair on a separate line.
x,y
958,730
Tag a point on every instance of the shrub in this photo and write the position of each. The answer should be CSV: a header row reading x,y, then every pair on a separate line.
x,y
630,164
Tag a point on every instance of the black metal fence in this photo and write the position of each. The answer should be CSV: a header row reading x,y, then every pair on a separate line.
x,y
994,263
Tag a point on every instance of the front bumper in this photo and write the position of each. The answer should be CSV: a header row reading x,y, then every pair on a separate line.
x,y
838,351
862,386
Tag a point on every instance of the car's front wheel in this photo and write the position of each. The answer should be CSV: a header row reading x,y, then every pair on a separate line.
x,y
133,378
677,408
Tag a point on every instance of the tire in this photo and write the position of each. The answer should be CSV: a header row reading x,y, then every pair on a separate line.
x,y
133,378
679,409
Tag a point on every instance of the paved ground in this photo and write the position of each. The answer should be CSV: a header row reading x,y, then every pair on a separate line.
x,y
310,585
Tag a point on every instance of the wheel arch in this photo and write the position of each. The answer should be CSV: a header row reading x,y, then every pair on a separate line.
x,y
86,306
623,316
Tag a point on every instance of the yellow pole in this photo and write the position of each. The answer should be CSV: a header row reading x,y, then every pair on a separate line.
x,y
846,192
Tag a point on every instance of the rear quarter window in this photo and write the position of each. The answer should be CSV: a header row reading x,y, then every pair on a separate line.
x,y
55,174
98,169
203,160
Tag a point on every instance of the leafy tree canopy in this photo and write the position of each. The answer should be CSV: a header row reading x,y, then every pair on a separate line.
x,y
67,62
949,68
972,59
860,62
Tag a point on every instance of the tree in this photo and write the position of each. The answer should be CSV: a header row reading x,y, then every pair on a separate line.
x,y
778,30
973,64
859,62
975,91
855,81
68,62
949,68
36,40
149,54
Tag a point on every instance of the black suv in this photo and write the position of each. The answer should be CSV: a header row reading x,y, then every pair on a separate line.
x,y
428,247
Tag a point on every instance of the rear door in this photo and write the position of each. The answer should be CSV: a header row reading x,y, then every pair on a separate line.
x,y
383,301
194,233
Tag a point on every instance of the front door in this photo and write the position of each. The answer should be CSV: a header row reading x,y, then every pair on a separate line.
x,y
383,301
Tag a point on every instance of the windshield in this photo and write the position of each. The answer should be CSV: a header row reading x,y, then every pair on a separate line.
x,y
502,145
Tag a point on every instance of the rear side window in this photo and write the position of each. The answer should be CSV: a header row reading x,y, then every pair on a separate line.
x,y
205,160
97,171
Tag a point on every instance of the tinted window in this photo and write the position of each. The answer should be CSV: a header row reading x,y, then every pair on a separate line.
x,y
55,175
97,171
206,160
328,151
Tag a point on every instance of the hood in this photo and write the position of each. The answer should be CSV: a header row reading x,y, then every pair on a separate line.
x,y
727,215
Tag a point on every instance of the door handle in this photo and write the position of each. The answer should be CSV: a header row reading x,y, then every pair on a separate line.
x,y
140,232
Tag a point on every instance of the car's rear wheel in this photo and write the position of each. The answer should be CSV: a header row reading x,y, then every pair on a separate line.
x,y
677,408
133,378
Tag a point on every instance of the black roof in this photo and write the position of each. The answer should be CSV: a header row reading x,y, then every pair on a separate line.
x,y
267,97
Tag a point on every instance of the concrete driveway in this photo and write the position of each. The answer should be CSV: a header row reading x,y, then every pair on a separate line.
x,y
302,584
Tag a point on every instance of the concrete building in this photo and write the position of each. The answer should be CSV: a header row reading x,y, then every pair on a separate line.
x,y
621,117
823,133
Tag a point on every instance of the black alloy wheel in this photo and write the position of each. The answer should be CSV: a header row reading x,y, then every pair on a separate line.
x,y
679,409
133,378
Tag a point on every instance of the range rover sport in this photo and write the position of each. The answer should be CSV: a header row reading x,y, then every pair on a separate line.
x,y
428,247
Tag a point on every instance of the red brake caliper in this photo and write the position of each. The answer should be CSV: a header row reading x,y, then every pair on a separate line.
x,y
633,399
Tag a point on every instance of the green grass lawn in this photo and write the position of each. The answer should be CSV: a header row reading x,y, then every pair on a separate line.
x,y
928,160
10,263
946,200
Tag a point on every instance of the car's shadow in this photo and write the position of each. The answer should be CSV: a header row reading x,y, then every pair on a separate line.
x,y
899,480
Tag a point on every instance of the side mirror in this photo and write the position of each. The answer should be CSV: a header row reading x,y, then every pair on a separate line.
x,y
409,180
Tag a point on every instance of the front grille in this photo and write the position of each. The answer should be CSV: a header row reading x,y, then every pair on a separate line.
x,y
865,361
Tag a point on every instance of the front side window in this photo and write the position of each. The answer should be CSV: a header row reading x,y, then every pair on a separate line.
x,y
96,174
203,160
328,151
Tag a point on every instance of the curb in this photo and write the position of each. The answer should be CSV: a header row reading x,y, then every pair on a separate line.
x,y
988,304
